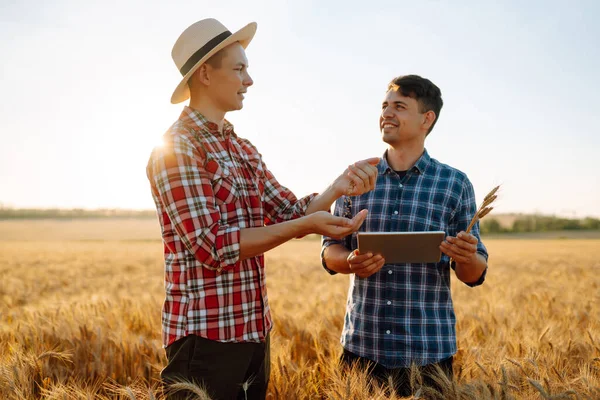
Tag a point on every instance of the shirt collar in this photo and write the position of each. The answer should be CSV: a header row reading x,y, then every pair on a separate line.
x,y
384,168
194,119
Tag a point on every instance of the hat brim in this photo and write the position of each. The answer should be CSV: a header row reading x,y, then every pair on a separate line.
x,y
244,36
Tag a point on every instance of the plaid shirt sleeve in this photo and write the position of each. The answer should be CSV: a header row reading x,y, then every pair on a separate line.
x,y
279,203
462,218
327,241
183,185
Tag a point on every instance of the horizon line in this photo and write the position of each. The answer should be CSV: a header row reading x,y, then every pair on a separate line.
x,y
5,207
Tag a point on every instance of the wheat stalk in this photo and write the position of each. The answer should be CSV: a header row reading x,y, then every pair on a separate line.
x,y
483,210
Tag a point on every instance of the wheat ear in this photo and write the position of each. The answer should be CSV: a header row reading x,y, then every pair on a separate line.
x,y
483,210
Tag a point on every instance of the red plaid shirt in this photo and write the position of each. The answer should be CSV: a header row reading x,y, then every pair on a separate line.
x,y
207,186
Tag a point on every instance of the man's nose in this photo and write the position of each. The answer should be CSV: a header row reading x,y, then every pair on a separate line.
x,y
387,113
248,81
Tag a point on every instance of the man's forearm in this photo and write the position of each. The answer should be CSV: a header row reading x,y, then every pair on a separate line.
x,y
323,201
471,272
336,258
256,241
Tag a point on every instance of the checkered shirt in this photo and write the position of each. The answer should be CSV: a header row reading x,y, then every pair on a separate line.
x,y
403,314
207,185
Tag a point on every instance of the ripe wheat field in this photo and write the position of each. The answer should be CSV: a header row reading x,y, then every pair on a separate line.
x,y
80,318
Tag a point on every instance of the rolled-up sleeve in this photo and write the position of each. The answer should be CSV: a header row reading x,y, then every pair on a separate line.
x,y
327,241
179,179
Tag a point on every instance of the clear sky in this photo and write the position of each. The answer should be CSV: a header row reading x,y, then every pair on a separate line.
x,y
85,89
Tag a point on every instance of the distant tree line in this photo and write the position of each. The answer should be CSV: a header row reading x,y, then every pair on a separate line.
x,y
539,223
522,223
76,213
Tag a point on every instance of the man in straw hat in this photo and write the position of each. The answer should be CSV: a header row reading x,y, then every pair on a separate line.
x,y
220,209
401,315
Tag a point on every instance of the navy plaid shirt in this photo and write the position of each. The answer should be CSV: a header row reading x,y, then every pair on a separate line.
x,y
403,314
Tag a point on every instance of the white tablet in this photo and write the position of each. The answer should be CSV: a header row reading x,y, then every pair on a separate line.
x,y
403,247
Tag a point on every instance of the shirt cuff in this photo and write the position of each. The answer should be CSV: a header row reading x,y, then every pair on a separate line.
x,y
227,244
480,280
326,245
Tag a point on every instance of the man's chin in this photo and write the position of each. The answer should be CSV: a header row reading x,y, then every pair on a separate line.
x,y
389,139
236,107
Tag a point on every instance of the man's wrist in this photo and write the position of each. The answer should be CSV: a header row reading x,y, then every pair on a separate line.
x,y
474,266
473,260
334,191
304,225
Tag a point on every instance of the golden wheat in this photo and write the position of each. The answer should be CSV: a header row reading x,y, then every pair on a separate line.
x,y
81,319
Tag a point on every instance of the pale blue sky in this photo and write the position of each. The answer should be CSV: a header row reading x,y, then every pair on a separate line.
x,y
85,89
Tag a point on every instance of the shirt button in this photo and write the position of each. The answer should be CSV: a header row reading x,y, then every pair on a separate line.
x,y
396,212
388,331
390,272
389,302
400,186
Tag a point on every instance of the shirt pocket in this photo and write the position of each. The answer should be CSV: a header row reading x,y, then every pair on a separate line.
x,y
434,218
222,181
254,174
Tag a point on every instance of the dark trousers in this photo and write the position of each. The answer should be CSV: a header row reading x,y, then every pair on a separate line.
x,y
400,377
225,370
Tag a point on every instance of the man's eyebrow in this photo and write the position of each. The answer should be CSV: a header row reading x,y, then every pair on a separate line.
x,y
401,103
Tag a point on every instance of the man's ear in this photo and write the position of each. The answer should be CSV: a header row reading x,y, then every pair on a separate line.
x,y
202,74
429,120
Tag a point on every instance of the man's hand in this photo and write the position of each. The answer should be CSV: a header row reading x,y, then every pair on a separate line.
x,y
463,248
324,223
358,178
365,265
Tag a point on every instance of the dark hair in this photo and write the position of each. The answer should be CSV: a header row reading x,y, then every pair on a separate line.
x,y
427,94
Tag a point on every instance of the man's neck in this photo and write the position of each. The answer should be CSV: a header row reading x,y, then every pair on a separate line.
x,y
403,157
209,111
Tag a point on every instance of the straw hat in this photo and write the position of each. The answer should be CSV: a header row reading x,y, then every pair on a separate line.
x,y
198,43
